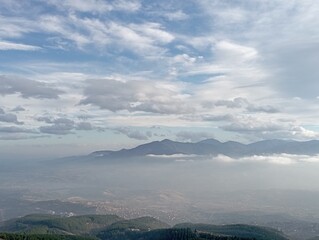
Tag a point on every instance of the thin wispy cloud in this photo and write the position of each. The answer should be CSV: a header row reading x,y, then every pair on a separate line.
x,y
17,46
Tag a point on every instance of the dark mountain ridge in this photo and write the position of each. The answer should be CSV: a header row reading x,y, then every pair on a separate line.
x,y
215,147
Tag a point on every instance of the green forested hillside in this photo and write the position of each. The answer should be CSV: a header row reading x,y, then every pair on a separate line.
x,y
314,238
42,224
16,236
164,234
239,230
112,227
161,234
141,224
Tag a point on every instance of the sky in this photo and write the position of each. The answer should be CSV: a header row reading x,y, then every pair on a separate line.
x,y
83,75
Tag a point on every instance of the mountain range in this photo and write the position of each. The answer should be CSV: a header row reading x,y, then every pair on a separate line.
x,y
214,147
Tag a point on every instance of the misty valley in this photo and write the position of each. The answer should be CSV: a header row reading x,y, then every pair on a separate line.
x,y
171,183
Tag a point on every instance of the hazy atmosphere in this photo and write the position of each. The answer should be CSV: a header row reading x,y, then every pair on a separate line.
x,y
197,110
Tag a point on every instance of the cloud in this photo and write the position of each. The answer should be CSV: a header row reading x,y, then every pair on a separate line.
x,y
18,109
233,53
90,33
289,59
144,39
97,6
60,126
193,136
280,159
136,95
252,125
268,129
265,108
15,133
301,132
5,46
8,117
153,31
27,88
178,15
16,130
68,28
217,118
125,5
84,126
63,126
297,71
235,63
243,103
44,119
19,136
15,27
235,103
134,134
